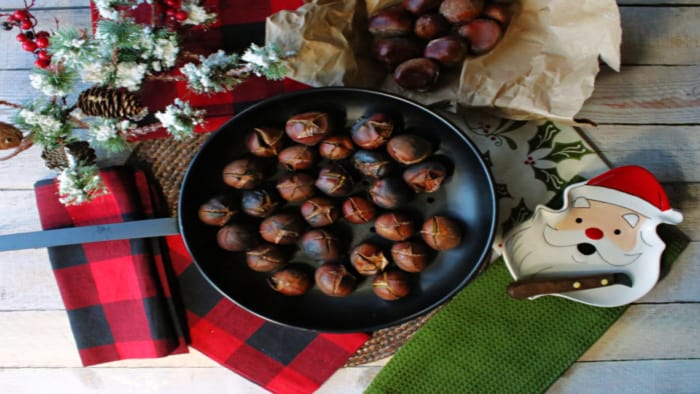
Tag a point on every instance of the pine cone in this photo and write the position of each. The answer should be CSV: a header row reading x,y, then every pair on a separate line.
x,y
111,103
56,158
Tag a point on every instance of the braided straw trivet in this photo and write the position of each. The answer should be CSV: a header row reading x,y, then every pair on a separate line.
x,y
167,161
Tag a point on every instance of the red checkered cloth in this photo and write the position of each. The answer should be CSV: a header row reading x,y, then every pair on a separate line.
x,y
122,299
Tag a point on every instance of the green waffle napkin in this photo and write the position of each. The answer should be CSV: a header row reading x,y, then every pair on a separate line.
x,y
484,341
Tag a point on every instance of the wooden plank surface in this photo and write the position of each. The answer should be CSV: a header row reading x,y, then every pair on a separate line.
x,y
648,114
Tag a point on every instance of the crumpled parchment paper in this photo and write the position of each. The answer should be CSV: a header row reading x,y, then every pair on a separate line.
x,y
544,67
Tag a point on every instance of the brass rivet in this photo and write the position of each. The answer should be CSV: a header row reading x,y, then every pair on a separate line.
x,y
577,285
604,282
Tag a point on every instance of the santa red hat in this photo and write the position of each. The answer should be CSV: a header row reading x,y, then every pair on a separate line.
x,y
631,187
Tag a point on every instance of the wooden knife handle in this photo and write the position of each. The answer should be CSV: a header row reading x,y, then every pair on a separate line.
x,y
532,287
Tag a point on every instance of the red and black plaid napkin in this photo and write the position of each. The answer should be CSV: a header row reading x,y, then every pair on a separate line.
x,y
122,301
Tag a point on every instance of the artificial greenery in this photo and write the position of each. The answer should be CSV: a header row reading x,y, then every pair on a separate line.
x,y
121,55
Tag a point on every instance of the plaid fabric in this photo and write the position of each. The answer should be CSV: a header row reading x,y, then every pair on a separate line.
x,y
120,304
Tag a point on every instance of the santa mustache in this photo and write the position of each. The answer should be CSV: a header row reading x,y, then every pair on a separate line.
x,y
587,248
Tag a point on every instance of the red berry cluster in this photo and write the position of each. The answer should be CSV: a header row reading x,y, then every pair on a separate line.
x,y
31,40
174,12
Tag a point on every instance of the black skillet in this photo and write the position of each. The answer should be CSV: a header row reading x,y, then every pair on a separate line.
x,y
468,195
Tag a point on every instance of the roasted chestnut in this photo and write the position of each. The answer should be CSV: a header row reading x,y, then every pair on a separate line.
x,y
368,259
334,180
449,51
265,141
282,228
308,128
334,279
498,12
441,233
265,257
392,51
235,237
425,177
390,192
244,173
461,11
293,280
409,148
482,34
217,210
420,7
391,22
297,157
391,285
417,74
296,186
373,163
336,147
410,256
321,245
372,131
394,226
319,211
358,210
259,202
430,26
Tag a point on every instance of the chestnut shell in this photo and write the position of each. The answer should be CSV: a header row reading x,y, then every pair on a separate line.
x,y
308,128
235,237
410,256
297,157
358,210
217,210
442,233
294,279
296,186
266,257
425,177
334,180
372,131
394,226
368,259
334,279
418,74
336,147
319,211
391,22
259,203
245,173
391,285
282,228
265,141
321,245
373,163
390,192
409,148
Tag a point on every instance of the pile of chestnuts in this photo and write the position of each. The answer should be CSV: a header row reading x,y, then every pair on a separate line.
x,y
417,38
303,184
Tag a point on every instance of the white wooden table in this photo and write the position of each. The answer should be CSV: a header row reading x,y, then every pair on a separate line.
x,y
648,114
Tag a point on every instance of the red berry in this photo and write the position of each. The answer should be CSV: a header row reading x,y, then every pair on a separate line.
x,y
21,37
181,15
43,33
170,12
173,3
42,63
20,15
29,46
42,54
26,25
42,42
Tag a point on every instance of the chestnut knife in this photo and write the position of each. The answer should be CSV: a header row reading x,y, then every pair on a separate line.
x,y
527,288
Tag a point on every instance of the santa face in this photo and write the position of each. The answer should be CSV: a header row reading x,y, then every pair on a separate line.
x,y
589,235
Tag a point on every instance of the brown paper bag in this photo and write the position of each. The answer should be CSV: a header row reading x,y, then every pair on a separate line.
x,y
545,66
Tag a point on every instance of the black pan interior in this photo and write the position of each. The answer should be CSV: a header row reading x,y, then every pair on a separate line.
x,y
468,195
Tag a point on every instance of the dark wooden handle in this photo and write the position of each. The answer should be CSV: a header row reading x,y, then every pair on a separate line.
x,y
531,287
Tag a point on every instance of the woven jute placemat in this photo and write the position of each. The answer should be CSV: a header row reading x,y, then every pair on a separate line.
x,y
167,161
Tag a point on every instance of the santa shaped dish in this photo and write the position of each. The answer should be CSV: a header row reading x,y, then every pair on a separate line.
x,y
606,229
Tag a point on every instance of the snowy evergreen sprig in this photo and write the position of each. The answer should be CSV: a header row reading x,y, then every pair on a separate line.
x,y
79,183
110,133
180,119
46,121
220,71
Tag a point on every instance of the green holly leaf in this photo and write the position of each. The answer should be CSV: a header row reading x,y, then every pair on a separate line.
x,y
511,143
486,157
513,126
544,137
550,177
518,215
502,191
569,150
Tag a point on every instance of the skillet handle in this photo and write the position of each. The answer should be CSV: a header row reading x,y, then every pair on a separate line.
x,y
102,232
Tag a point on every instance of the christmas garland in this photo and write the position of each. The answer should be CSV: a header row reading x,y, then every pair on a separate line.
x,y
116,59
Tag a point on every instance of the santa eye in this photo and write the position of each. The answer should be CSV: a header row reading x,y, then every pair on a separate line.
x,y
617,231
579,220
